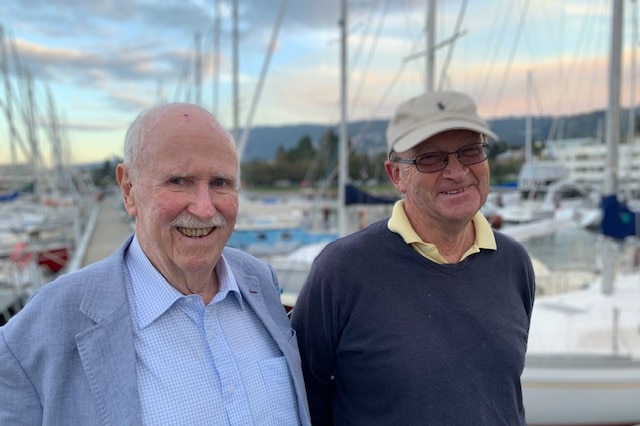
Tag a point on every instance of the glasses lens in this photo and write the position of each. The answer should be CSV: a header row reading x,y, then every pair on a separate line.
x,y
437,160
431,161
472,154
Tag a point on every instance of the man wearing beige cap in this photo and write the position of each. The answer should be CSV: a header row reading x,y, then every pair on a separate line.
x,y
421,319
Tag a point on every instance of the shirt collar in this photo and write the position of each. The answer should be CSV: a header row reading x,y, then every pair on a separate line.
x,y
228,283
399,223
152,293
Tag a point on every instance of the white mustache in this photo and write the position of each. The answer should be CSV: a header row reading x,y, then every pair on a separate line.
x,y
190,222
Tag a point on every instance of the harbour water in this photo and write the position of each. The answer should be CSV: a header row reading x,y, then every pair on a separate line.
x,y
564,259
571,248
579,252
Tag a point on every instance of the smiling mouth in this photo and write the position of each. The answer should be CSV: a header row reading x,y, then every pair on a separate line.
x,y
195,232
456,191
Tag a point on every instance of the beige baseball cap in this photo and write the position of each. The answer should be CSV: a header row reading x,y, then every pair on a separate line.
x,y
424,116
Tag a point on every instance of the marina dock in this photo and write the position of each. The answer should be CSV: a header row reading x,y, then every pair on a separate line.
x,y
109,231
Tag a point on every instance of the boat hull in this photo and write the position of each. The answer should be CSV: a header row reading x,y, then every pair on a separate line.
x,y
53,260
581,390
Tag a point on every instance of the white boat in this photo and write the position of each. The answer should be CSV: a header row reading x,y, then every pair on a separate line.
x,y
275,225
581,390
583,359
292,270
545,191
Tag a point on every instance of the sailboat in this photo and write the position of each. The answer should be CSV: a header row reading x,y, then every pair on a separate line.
x,y
293,268
267,226
43,221
583,359
544,189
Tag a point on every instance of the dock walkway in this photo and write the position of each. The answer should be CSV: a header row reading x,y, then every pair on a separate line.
x,y
111,229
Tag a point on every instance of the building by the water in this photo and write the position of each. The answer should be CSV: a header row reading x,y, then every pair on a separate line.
x,y
586,162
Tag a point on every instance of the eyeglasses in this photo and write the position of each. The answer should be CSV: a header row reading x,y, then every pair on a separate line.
x,y
438,160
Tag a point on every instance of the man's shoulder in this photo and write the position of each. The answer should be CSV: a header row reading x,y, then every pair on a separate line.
x,y
243,261
60,298
71,283
237,255
101,282
503,240
374,232
365,242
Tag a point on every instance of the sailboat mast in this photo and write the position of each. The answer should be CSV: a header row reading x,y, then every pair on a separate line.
x,y
244,138
613,108
198,68
528,130
343,168
216,58
235,71
431,41
613,135
631,124
8,108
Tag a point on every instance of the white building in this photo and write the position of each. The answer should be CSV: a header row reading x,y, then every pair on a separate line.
x,y
586,162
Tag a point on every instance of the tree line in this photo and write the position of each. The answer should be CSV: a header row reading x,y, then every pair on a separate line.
x,y
311,165
308,165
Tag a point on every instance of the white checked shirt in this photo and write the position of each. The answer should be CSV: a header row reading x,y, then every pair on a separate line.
x,y
204,365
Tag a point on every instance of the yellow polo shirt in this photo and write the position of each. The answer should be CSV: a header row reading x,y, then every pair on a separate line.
x,y
399,223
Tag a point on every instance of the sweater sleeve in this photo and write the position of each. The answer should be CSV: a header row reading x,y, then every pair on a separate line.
x,y
314,319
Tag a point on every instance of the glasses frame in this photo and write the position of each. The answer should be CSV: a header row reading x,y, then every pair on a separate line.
x,y
445,157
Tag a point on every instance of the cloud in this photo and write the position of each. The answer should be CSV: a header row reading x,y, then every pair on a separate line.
x,y
105,60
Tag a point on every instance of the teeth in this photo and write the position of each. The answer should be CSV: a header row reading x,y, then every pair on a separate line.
x,y
195,232
455,192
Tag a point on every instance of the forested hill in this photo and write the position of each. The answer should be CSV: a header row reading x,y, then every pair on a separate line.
x,y
264,141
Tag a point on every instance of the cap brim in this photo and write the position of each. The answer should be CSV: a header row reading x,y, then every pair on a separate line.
x,y
422,133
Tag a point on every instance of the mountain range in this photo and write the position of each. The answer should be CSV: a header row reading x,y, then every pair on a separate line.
x,y
370,136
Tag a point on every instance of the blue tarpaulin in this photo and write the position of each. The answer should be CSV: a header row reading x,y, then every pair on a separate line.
x,y
10,196
354,195
618,221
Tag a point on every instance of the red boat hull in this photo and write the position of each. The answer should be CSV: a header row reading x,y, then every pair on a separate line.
x,y
53,259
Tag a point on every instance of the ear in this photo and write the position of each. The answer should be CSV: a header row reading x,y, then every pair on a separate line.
x,y
126,187
393,171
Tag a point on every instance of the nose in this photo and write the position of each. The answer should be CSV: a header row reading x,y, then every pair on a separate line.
x,y
455,167
202,202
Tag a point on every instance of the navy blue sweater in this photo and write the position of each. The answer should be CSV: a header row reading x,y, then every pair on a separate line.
x,y
388,337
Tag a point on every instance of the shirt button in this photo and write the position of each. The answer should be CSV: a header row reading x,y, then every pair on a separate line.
x,y
231,389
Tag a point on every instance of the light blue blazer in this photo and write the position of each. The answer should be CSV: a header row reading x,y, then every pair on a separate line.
x,y
68,356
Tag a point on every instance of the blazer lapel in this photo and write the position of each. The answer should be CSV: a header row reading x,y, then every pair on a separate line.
x,y
252,293
264,305
106,349
108,357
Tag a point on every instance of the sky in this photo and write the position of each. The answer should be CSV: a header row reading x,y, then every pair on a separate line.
x,y
102,62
